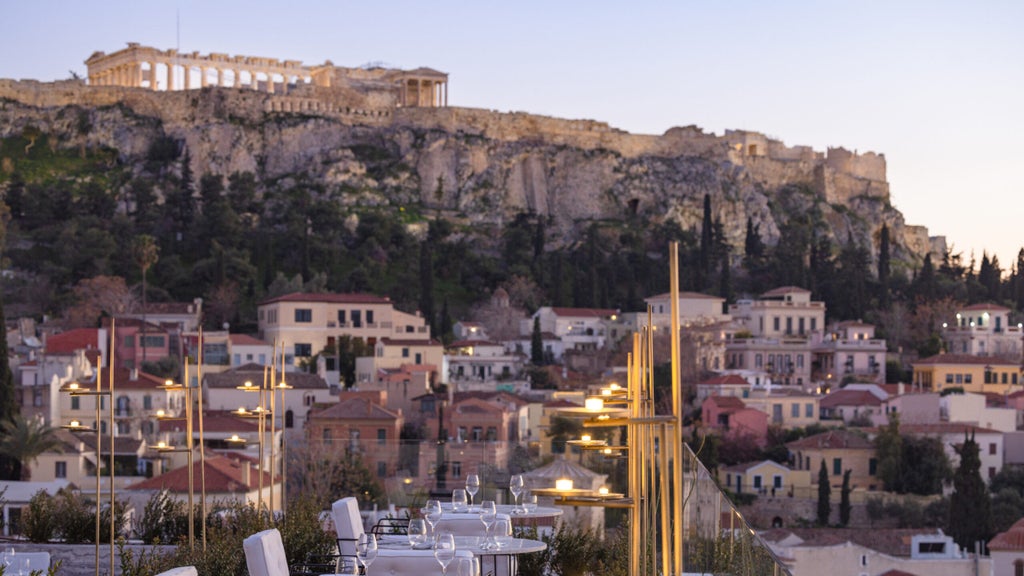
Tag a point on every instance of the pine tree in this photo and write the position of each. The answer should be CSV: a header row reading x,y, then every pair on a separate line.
x,y
824,495
844,502
970,512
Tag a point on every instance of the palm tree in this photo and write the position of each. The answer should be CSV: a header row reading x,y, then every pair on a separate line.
x,y
24,439
145,252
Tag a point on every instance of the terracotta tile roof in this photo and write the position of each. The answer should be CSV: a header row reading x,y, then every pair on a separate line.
x,y
1012,539
850,398
246,340
124,321
355,409
560,403
727,380
986,306
585,312
223,475
216,421
783,290
72,340
963,359
123,380
238,375
945,428
891,541
726,402
833,439
122,444
328,298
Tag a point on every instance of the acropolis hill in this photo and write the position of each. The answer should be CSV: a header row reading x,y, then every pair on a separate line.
x,y
389,137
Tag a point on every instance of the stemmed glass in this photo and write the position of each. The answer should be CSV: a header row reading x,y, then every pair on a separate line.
x,y
488,514
502,531
467,567
472,487
444,550
432,512
366,549
417,532
516,487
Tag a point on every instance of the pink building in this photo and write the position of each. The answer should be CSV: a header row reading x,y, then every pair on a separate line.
x,y
729,416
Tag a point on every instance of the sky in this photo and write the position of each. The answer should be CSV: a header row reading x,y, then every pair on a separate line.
x,y
935,86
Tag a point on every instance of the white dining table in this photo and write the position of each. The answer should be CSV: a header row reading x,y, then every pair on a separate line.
x,y
501,559
515,512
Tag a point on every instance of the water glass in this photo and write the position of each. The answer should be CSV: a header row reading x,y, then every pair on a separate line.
x,y
444,550
472,487
459,500
366,549
502,531
467,566
417,532
529,503
347,567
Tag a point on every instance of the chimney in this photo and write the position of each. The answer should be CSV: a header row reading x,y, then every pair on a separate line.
x,y
133,374
246,474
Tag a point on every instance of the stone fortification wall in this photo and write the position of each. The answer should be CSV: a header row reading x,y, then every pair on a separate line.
x,y
869,165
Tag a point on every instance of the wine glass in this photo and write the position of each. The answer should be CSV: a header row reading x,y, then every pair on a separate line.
x,y
432,512
458,500
366,549
417,532
347,567
488,513
472,487
444,550
516,487
529,502
502,531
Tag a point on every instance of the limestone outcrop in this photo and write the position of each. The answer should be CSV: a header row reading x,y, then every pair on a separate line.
x,y
480,166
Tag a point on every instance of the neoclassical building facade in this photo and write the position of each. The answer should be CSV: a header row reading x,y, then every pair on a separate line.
x,y
138,66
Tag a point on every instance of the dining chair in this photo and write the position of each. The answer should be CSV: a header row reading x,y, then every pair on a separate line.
x,y
264,554
463,525
348,524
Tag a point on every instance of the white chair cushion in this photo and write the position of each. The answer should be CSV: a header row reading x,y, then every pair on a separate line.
x,y
463,525
348,524
180,571
264,554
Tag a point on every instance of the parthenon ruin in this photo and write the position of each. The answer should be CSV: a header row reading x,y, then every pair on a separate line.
x,y
145,67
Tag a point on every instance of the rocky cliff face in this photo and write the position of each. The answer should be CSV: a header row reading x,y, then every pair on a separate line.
x,y
478,166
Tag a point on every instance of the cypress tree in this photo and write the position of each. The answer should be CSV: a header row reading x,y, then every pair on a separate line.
x,y
883,269
536,344
844,502
824,495
706,243
970,509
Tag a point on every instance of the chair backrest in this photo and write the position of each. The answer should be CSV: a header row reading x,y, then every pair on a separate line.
x,y
264,554
462,525
348,524
418,562
180,571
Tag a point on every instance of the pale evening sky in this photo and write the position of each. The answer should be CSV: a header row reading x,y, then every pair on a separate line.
x,y
936,86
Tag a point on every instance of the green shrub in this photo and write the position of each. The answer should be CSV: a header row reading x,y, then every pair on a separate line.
x,y
164,520
39,519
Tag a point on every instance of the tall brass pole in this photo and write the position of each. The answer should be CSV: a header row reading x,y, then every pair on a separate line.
x,y
110,371
99,449
631,458
677,411
273,419
259,427
283,385
191,470
202,442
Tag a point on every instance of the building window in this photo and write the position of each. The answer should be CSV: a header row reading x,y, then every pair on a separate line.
x,y
758,361
777,481
147,427
991,447
75,403
369,317
492,433
153,341
60,469
814,324
382,436
124,428
837,466
872,466
801,326
303,350
357,319
456,469
794,410
37,396
382,469
799,360
809,410
405,352
1018,568
304,315
147,402
129,341
968,378
775,323
419,358
289,419
478,433
341,318
328,436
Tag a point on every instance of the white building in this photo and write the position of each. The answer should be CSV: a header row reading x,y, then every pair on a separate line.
x,y
984,330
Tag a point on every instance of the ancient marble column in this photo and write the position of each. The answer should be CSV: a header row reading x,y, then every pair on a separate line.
x,y
170,76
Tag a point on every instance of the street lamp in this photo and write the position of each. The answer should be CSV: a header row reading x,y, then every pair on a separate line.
x,y
163,447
